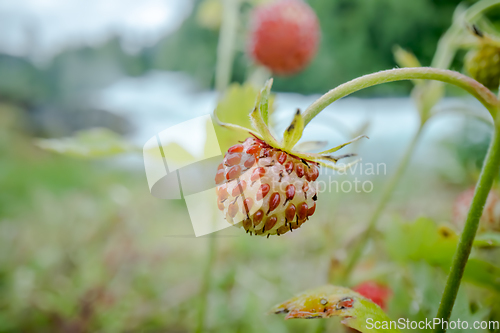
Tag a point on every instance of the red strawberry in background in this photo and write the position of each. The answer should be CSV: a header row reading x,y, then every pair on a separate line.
x,y
378,293
284,36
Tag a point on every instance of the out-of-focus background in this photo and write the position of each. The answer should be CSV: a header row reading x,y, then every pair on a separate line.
x,y
84,247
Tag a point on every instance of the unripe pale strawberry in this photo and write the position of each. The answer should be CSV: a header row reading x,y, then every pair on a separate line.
x,y
284,36
483,65
266,185
490,220
264,189
374,291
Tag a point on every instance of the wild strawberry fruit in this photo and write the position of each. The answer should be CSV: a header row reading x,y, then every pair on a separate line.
x,y
284,36
483,65
270,191
490,220
264,184
378,293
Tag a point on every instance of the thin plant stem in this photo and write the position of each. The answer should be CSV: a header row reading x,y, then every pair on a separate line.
x,y
226,45
489,171
382,203
205,286
224,66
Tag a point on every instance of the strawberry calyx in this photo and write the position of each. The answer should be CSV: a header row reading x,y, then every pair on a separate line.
x,y
292,134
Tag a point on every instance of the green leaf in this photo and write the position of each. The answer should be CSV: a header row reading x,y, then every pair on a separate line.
x,y
425,240
420,240
92,143
489,239
232,110
421,289
329,301
482,273
294,132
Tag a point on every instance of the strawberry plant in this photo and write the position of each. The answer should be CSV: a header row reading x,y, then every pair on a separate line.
x,y
294,132
320,304
268,185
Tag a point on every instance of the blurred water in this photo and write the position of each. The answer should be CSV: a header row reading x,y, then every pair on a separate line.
x,y
159,100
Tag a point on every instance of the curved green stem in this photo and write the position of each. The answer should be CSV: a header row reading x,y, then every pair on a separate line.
x,y
384,200
485,96
489,172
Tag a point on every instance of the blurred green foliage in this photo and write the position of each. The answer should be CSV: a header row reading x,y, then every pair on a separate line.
x,y
92,143
467,146
436,245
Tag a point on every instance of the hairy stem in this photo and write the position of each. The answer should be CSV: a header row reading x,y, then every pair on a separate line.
x,y
384,200
488,173
485,96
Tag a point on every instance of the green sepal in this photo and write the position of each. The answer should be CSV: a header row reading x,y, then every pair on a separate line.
x,y
257,118
265,94
488,239
310,145
294,132
334,149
